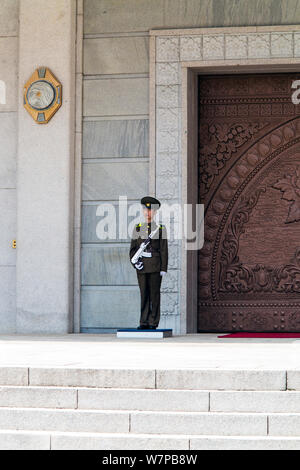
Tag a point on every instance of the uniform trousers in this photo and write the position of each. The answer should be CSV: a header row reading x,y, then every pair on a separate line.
x,y
149,284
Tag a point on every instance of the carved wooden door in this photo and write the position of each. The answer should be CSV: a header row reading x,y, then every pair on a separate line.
x,y
249,181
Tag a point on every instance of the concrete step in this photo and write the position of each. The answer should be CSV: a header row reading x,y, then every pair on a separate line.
x,y
80,441
244,443
104,399
150,400
38,397
24,440
44,440
255,402
210,379
65,420
68,408
144,422
143,400
68,441
151,422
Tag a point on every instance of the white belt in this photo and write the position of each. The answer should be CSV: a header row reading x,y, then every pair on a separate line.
x,y
146,254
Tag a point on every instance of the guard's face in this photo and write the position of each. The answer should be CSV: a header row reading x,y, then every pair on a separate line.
x,y
149,214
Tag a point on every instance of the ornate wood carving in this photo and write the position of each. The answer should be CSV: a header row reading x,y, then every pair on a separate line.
x,y
221,142
289,185
243,278
243,163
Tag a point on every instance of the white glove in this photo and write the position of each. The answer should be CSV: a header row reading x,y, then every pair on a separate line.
x,y
162,273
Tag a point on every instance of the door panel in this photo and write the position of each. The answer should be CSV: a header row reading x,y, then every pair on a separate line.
x,y
249,182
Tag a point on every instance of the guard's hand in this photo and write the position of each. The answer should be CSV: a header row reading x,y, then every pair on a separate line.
x,y
139,265
163,273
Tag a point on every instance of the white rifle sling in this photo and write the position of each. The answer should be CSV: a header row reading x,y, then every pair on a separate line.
x,y
140,252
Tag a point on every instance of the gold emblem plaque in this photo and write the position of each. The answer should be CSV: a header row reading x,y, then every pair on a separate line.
x,y
42,95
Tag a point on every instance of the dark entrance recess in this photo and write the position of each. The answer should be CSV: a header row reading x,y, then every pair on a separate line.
x,y
249,182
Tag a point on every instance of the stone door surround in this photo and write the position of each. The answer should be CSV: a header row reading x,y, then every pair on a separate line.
x,y
176,57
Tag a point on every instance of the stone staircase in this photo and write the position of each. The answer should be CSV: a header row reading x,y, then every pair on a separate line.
x,y
67,408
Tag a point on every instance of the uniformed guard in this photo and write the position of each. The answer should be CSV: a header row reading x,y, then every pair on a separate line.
x,y
149,255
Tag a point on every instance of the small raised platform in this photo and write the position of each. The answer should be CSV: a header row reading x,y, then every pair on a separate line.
x,y
135,333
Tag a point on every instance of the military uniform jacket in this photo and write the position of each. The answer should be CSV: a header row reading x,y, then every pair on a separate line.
x,y
158,247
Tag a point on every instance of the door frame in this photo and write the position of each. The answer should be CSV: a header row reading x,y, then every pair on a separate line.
x,y
169,47
190,161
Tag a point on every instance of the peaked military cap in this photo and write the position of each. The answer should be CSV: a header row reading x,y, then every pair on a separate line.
x,y
149,201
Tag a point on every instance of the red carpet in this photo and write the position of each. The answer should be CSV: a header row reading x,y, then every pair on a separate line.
x,y
261,335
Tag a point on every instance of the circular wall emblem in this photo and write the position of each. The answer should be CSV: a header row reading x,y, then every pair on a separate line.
x,y
40,94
